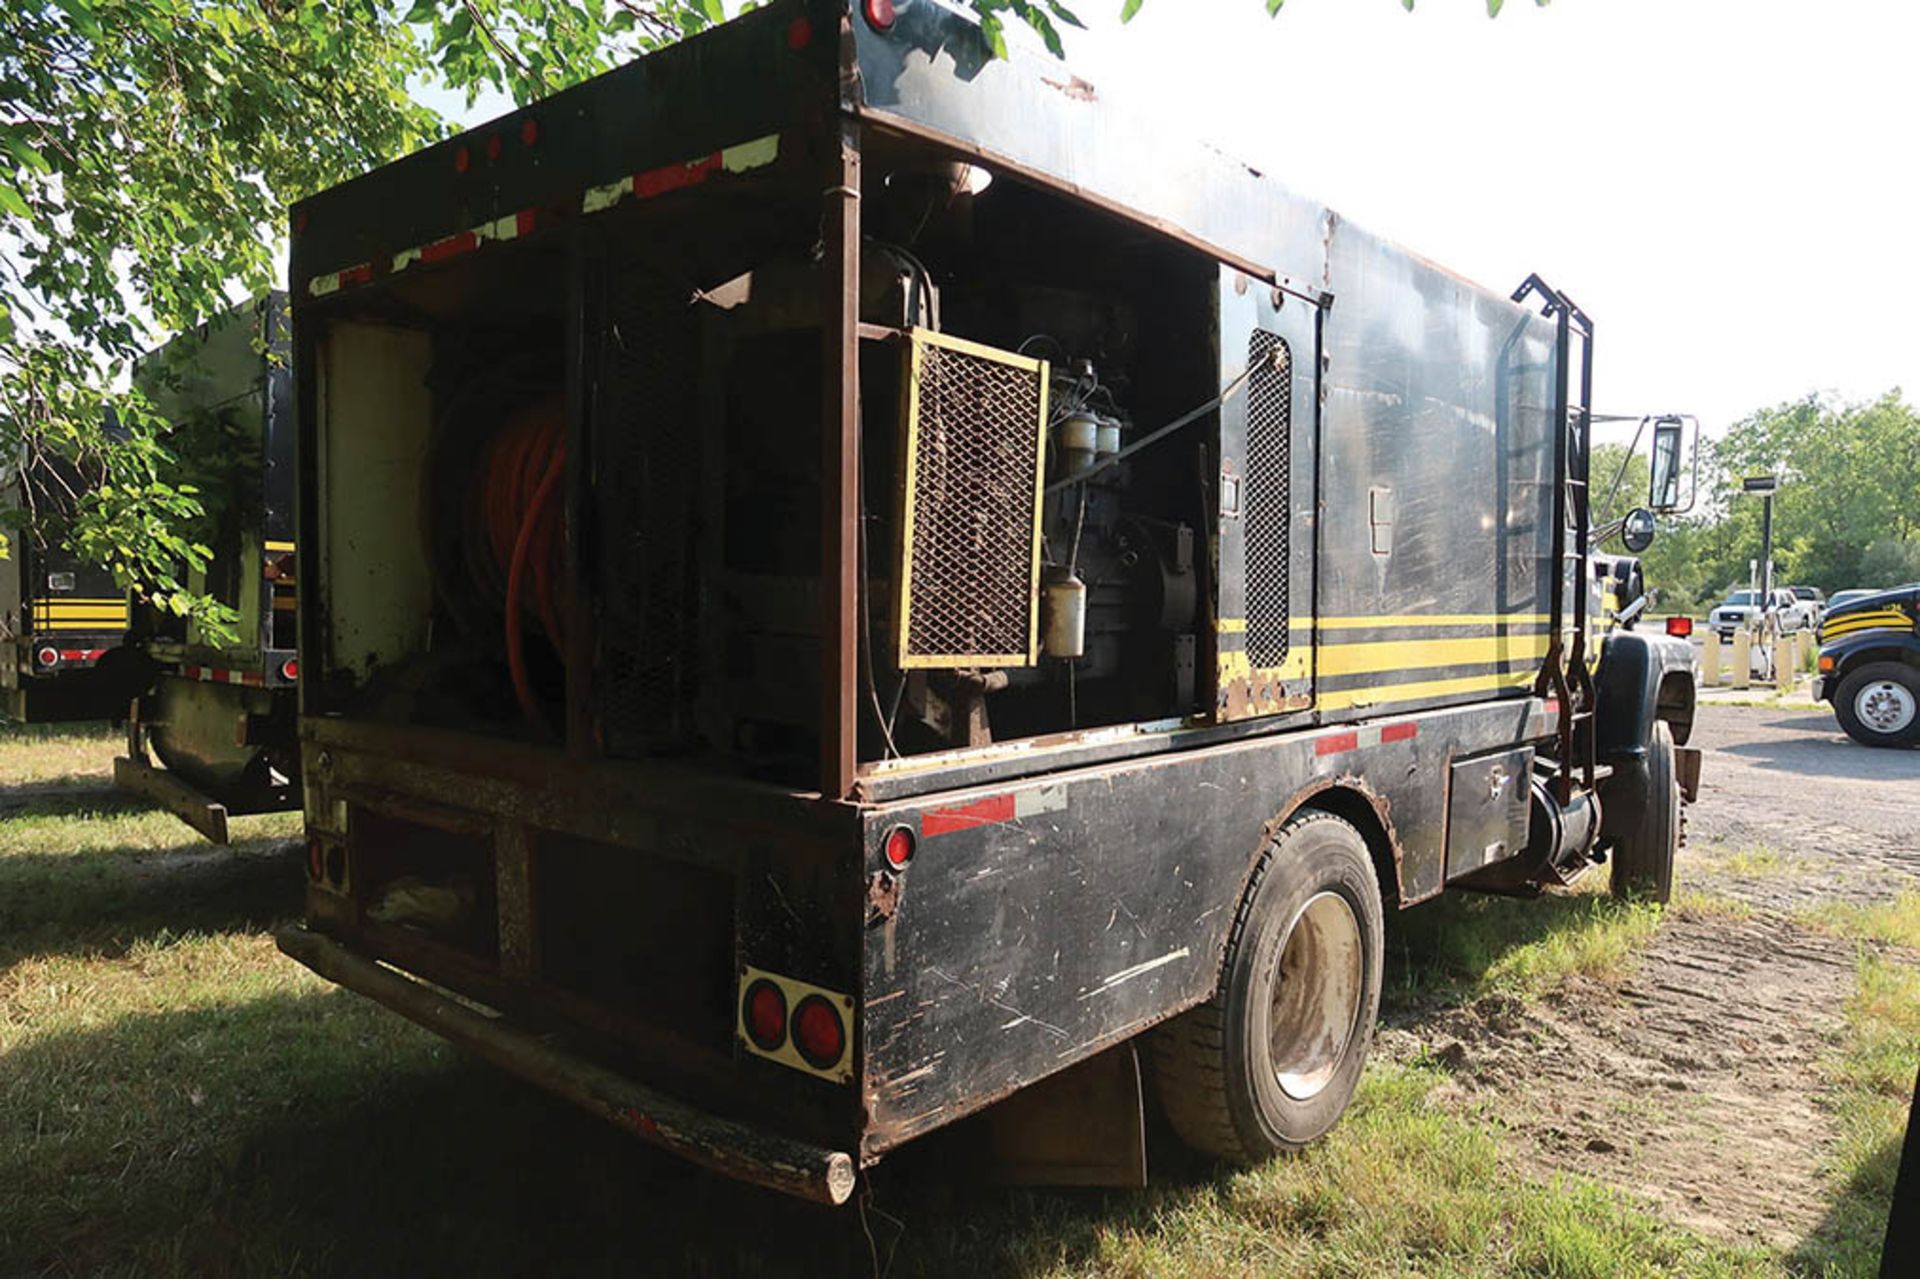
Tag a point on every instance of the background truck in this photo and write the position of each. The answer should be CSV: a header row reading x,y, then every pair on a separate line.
x,y
218,710
850,584
1869,666
62,619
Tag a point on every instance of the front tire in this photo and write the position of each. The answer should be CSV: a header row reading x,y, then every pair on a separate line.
x,y
1879,704
1271,1061
1643,858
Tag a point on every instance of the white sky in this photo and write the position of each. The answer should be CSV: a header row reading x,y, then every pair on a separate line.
x,y
1727,187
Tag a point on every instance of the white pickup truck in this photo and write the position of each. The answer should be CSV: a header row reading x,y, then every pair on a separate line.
x,y
1788,613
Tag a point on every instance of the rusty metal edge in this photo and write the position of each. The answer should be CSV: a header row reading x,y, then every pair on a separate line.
x,y
733,1149
205,815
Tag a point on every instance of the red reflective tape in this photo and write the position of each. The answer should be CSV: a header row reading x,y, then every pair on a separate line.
x,y
80,654
1399,732
356,274
1334,743
523,221
982,812
451,247
1553,705
671,177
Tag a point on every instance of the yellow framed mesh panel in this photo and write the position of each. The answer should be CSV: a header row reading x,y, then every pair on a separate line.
x,y
975,425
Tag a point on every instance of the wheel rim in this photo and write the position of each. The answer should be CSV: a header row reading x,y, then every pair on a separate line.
x,y
1885,706
1316,995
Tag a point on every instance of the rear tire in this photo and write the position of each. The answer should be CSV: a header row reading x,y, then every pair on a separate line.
x,y
1643,858
1271,1061
1879,704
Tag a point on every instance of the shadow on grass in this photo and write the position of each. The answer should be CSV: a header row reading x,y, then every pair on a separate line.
x,y
316,1133
105,903
1849,1237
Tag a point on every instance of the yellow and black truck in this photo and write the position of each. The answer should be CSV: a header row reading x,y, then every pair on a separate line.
x,y
849,584
63,620
1869,667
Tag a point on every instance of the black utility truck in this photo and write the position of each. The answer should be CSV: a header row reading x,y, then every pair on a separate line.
x,y
849,583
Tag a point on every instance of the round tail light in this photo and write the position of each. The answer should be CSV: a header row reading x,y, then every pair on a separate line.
x,y
764,1012
899,847
290,669
879,14
818,1033
48,657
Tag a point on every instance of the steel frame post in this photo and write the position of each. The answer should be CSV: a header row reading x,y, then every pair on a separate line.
x,y
840,583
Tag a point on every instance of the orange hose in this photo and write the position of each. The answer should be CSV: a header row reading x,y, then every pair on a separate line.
x,y
516,531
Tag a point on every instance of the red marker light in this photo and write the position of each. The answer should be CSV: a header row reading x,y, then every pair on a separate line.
x,y
290,669
493,148
799,34
316,860
462,160
1680,626
765,1015
529,131
899,847
879,14
818,1034
48,657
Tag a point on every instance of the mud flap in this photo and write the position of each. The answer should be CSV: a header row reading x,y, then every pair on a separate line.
x,y
1085,1126
1686,770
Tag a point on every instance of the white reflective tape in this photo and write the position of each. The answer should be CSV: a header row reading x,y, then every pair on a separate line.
x,y
751,155
1045,799
598,198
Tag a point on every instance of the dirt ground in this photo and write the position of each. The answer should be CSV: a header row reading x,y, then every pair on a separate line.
x,y
1695,1083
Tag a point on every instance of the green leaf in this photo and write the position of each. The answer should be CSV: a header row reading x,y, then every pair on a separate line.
x,y
1130,8
1273,6
1493,8
10,202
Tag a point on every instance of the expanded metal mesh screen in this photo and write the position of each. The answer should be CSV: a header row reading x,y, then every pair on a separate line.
x,y
976,422
1269,497
646,485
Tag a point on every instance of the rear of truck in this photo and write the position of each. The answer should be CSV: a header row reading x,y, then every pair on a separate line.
x,y
217,707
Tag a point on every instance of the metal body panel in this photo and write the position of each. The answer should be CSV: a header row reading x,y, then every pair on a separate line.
x,y
1038,924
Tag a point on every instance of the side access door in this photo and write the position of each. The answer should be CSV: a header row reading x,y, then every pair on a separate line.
x,y
1265,500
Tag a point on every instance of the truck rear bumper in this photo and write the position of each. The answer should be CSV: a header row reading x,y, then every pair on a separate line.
x,y
723,1145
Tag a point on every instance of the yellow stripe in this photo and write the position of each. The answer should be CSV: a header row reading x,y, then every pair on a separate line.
x,y
1238,625
79,626
1392,694
65,601
1432,619
1407,655
80,615
279,546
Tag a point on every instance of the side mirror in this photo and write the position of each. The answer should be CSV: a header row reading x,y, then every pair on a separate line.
x,y
1669,443
1636,531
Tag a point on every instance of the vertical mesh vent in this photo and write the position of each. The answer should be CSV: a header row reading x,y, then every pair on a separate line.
x,y
647,483
1269,496
970,554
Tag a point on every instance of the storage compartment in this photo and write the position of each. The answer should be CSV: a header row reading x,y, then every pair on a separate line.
x,y
1488,801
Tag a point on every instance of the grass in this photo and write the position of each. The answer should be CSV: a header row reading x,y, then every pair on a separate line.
x,y
1468,946
1758,861
178,1099
41,755
1896,922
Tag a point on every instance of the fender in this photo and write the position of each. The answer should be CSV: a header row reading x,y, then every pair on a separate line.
x,y
1843,655
1634,668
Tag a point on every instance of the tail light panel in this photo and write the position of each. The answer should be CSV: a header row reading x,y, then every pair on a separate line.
x,y
817,1003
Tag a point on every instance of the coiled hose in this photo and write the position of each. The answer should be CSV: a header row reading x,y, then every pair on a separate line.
x,y
515,535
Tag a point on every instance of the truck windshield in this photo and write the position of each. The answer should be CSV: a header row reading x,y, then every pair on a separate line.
x,y
1740,597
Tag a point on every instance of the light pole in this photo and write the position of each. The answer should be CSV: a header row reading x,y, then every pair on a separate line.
x,y
1764,486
